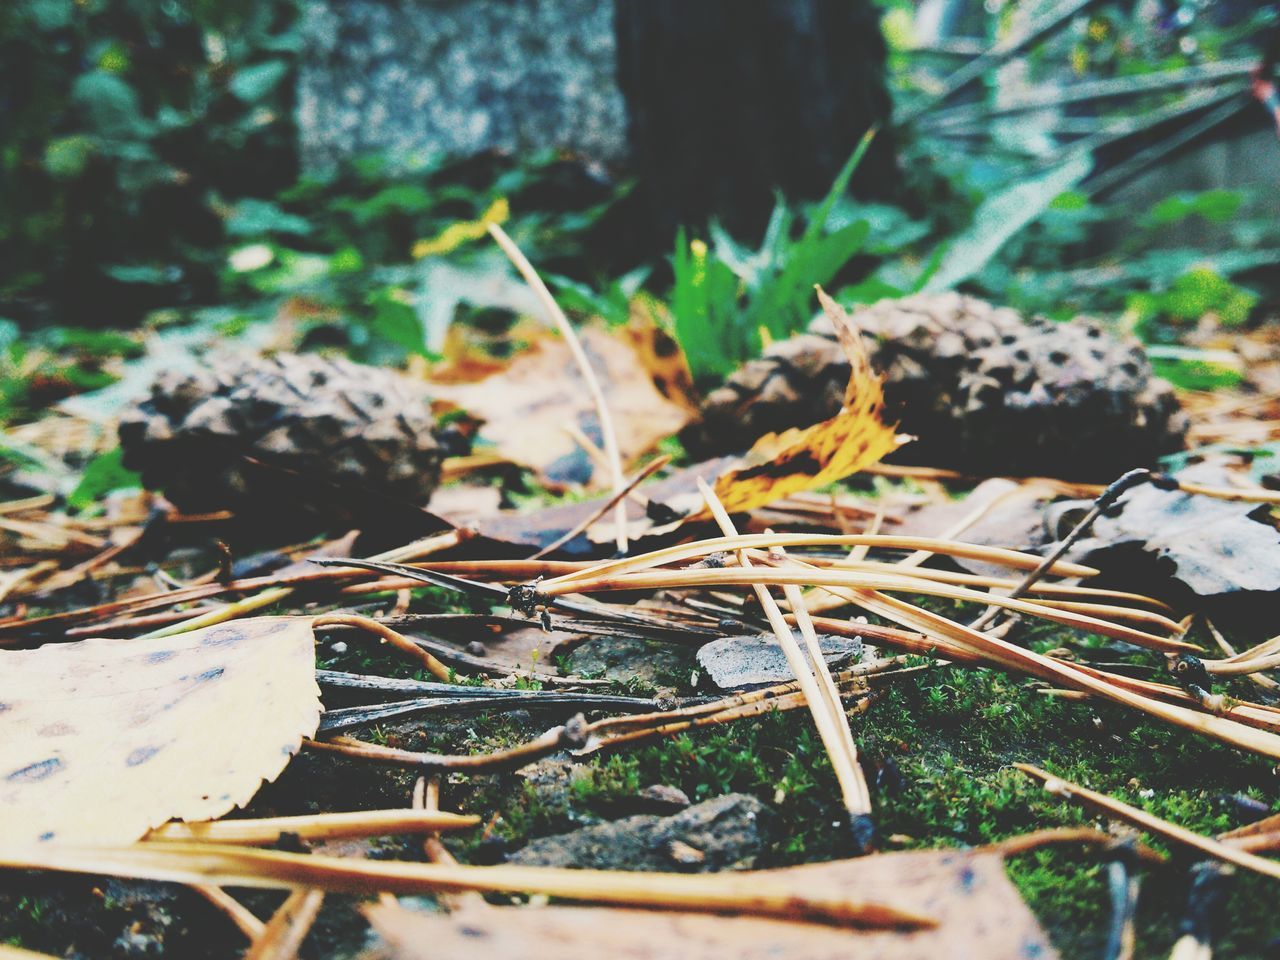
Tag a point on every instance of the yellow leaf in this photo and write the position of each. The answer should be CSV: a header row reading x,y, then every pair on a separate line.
x,y
101,740
464,231
781,464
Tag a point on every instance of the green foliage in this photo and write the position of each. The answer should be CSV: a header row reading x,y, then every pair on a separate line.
x,y
126,123
105,473
728,300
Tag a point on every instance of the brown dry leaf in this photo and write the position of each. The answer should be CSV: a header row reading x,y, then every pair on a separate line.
x,y
101,740
980,916
799,459
660,352
531,408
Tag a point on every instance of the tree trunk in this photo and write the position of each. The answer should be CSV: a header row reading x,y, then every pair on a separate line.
x,y
732,100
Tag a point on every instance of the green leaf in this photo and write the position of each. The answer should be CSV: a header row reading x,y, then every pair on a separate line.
x,y
105,472
252,218
112,108
396,321
253,83
66,157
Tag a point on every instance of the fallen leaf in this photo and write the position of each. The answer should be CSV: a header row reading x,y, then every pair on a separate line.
x,y
531,408
661,353
780,464
102,740
980,915
1213,547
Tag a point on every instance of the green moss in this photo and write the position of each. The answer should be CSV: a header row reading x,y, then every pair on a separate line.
x,y
944,742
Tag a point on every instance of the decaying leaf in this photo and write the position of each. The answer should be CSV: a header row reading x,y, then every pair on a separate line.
x,y
799,459
1214,547
533,408
101,740
980,916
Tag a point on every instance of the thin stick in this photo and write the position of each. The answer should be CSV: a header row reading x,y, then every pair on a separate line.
x,y
702,548
740,893
570,736
852,786
322,826
397,640
558,318
649,470
410,551
236,911
288,927
1111,807
859,794
1109,496
729,576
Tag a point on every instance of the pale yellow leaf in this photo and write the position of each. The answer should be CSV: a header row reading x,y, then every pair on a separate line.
x,y
101,740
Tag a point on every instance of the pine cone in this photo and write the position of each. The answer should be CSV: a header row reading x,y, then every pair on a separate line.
x,y
330,419
983,388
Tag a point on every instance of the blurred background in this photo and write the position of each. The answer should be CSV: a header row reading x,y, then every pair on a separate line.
x,y
196,169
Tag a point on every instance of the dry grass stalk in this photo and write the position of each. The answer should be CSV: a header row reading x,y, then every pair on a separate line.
x,y
780,576
997,652
397,640
815,683
649,470
321,826
235,911
607,431
282,938
704,548
741,893
411,551
1111,807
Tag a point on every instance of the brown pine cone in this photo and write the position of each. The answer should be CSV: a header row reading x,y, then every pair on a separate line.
x,y
983,388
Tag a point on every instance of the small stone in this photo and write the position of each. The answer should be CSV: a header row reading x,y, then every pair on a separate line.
x,y
727,833
733,663
476,648
661,798
685,855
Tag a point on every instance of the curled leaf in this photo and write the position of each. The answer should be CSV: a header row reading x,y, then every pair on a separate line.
x,y
780,464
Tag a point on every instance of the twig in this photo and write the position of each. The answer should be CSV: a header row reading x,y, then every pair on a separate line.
x,y
824,704
235,911
282,938
570,736
397,640
1111,807
1123,884
649,470
320,826
703,548
607,432
737,893
1109,496
411,551
792,573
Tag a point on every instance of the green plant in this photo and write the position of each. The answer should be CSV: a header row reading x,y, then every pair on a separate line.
x,y
126,123
728,300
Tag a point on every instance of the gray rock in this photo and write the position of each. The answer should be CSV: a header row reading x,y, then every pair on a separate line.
x,y
625,658
422,77
662,798
728,832
733,663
